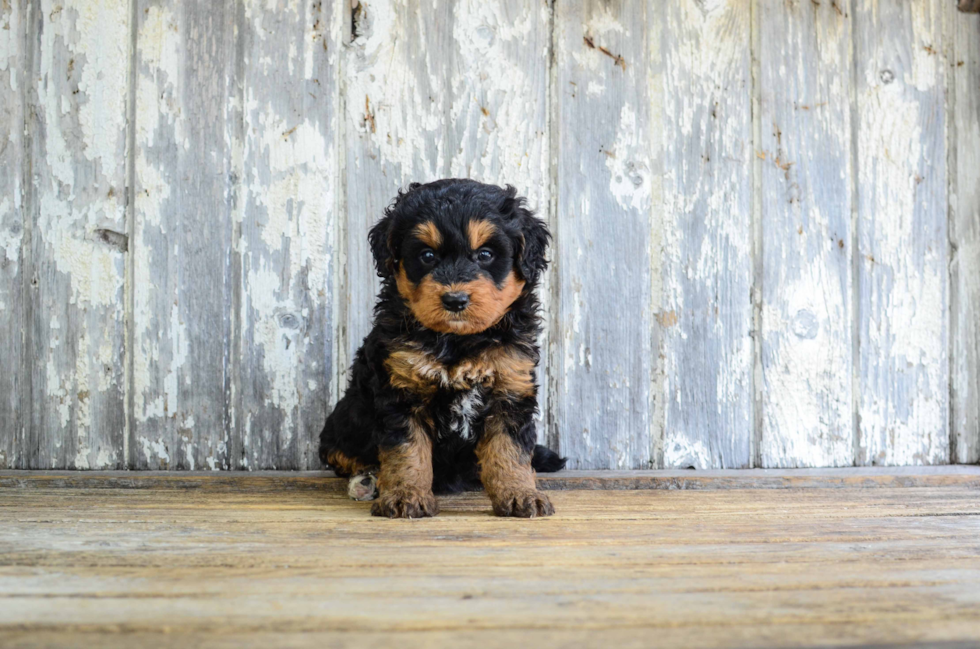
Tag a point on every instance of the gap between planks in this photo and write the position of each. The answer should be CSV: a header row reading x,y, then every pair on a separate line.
x,y
260,481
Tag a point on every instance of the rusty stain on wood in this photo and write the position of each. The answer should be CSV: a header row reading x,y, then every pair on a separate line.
x,y
617,59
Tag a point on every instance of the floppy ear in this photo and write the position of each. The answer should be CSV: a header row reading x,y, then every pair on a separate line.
x,y
533,238
380,239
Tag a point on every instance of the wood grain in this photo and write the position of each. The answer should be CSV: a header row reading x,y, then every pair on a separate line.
x,y
78,233
289,211
702,569
902,232
964,236
499,118
15,384
184,203
804,83
397,132
606,480
188,159
603,368
705,316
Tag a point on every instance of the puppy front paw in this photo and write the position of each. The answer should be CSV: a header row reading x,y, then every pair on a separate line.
x,y
522,504
405,504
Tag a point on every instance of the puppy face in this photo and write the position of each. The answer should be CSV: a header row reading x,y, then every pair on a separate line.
x,y
460,252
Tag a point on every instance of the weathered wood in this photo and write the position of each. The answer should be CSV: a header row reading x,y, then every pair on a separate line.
x,y
706,310
498,116
964,236
397,130
188,157
15,74
603,368
806,202
290,198
325,481
265,148
78,233
751,568
902,269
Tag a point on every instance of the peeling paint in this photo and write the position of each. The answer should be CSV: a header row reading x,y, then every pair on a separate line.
x,y
79,164
806,351
705,274
603,306
964,238
902,194
250,271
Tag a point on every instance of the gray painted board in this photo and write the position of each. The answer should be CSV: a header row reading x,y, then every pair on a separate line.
x,y
78,225
706,261
396,125
964,134
188,142
804,85
755,208
15,370
290,197
902,268
499,115
603,364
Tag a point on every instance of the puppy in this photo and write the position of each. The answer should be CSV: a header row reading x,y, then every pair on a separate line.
x,y
442,393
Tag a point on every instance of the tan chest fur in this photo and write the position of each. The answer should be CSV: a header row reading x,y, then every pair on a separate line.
x,y
500,369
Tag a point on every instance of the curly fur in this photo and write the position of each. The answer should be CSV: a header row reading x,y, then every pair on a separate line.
x,y
429,370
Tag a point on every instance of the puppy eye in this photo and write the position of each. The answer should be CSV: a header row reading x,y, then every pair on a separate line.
x,y
427,257
484,256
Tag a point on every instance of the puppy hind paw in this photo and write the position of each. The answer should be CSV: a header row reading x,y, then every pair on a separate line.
x,y
523,504
363,486
405,504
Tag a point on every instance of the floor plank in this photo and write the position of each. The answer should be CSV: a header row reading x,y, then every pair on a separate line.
x,y
253,481
297,567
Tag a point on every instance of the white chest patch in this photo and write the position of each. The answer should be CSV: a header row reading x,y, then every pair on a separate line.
x,y
464,410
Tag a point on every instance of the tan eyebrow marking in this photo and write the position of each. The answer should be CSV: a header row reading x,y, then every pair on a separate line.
x,y
428,234
479,232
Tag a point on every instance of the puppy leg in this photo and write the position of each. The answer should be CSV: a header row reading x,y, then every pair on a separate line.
x,y
405,477
507,476
345,466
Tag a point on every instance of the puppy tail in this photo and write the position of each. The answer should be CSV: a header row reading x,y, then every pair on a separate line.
x,y
545,460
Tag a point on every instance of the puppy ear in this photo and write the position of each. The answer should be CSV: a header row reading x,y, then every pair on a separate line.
x,y
382,235
381,245
533,237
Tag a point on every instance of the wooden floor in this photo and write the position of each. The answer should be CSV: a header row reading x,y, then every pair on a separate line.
x,y
283,561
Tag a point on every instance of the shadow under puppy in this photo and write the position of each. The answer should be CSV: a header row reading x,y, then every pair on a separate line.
x,y
442,393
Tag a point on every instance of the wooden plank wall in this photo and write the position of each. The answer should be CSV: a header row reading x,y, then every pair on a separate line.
x,y
15,381
964,236
806,200
766,220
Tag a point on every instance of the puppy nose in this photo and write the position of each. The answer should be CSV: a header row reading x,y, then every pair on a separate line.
x,y
455,301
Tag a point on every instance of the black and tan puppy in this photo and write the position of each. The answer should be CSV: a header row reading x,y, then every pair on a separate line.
x,y
442,393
